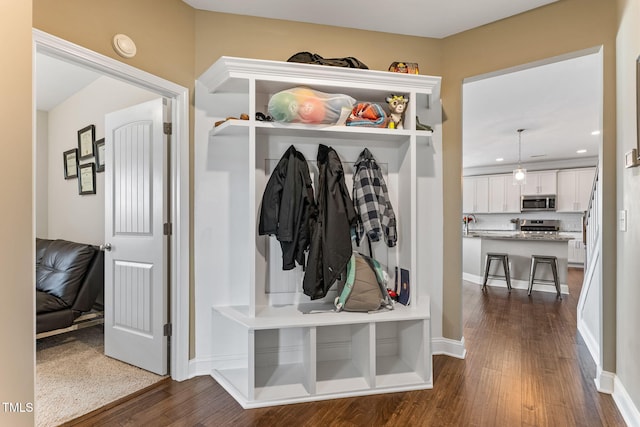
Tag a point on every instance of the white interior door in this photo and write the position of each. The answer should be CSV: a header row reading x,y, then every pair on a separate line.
x,y
136,247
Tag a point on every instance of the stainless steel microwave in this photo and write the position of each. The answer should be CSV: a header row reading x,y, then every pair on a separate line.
x,y
538,203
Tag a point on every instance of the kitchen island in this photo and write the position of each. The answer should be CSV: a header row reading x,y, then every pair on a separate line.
x,y
519,247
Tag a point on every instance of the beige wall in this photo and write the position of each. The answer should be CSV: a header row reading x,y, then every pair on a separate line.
x,y
556,29
16,224
220,34
628,348
162,30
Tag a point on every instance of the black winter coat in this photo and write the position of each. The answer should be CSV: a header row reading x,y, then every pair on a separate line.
x,y
288,208
331,237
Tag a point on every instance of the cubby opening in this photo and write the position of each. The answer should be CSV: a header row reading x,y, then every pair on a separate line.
x,y
344,361
283,366
400,353
232,360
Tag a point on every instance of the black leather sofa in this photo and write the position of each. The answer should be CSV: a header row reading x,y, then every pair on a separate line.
x,y
69,283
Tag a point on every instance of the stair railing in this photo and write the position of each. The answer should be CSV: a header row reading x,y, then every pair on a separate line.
x,y
590,227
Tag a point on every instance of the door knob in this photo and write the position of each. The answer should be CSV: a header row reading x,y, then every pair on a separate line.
x,y
105,247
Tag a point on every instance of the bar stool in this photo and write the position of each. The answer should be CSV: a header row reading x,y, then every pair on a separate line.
x,y
504,258
553,263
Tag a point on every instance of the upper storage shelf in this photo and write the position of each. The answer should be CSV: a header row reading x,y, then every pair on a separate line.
x,y
232,75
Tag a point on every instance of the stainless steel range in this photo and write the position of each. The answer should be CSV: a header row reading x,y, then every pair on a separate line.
x,y
539,227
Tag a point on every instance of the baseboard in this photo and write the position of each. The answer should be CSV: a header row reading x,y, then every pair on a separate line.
x,y
625,405
200,367
448,347
516,284
604,381
590,341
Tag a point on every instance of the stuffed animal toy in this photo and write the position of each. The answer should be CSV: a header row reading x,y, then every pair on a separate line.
x,y
397,106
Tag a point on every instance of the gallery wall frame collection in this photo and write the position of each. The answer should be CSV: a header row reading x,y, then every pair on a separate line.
x,y
88,147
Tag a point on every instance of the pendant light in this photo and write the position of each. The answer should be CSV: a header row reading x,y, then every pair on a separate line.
x,y
519,174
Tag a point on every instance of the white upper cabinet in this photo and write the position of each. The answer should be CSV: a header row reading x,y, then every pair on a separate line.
x,y
541,182
574,189
475,194
504,197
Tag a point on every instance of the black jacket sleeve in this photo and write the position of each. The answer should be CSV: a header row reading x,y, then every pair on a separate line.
x,y
271,199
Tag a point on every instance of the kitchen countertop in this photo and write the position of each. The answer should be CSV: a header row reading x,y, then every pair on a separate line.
x,y
516,235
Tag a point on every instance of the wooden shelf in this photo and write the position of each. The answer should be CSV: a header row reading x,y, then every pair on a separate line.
x,y
390,137
269,317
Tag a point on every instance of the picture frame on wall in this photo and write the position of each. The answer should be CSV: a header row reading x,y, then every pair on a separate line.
x,y
99,151
70,164
86,138
87,178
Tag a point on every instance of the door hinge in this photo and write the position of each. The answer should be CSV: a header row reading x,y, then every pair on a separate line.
x,y
168,128
167,329
167,229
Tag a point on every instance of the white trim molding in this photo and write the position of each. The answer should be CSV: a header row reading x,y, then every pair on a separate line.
x,y
178,180
625,405
604,381
590,341
448,347
201,366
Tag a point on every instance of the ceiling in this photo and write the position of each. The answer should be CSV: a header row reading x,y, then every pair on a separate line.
x,y
558,105
423,18
57,80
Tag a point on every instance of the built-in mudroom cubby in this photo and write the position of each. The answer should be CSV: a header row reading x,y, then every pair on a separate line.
x,y
267,343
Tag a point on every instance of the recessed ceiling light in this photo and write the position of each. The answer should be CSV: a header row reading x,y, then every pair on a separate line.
x,y
595,132
499,159
581,151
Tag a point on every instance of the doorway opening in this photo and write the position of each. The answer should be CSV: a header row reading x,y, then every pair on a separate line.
x,y
559,104
178,178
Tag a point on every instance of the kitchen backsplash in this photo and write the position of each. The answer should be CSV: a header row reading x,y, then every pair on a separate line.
x,y
569,222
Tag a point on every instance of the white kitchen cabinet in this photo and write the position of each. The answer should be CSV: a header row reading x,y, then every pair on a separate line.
x,y
475,194
540,182
264,349
574,189
504,197
576,249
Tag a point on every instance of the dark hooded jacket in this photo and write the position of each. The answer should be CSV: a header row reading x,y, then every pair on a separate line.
x,y
288,208
331,237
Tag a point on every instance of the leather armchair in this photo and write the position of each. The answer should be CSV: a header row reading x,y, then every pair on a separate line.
x,y
69,281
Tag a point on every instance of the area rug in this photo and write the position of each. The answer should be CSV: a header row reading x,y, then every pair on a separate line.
x,y
74,377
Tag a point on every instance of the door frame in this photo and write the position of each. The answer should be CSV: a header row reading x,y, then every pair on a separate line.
x,y
178,182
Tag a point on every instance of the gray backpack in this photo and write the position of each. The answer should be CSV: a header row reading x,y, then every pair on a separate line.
x,y
364,287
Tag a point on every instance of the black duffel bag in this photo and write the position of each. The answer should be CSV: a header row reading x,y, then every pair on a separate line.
x,y
314,58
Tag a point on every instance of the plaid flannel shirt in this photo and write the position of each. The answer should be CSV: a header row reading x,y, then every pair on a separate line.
x,y
371,200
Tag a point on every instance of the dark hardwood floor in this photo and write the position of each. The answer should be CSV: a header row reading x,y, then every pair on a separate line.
x,y
526,365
